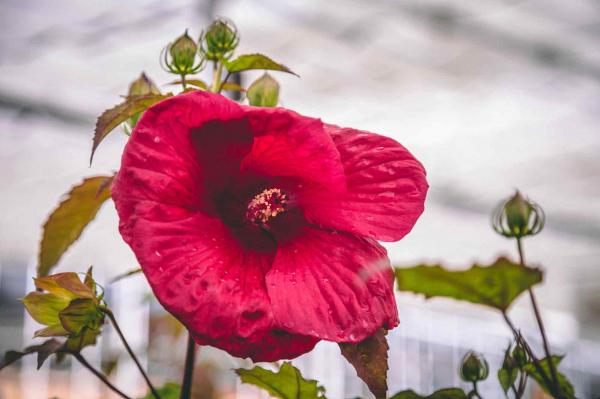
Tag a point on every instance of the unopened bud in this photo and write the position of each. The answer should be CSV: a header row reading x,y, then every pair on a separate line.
x,y
518,217
473,367
220,40
142,86
264,92
183,51
180,56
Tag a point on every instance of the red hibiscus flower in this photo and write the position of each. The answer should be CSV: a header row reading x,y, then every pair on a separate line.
x,y
257,227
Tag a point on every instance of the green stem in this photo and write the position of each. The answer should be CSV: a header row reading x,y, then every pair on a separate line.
x,y
113,320
183,82
540,323
217,73
475,391
99,375
188,373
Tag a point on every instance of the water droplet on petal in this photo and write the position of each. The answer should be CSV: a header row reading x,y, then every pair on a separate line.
x,y
157,139
157,253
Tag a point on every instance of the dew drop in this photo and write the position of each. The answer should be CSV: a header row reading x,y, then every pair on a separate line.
x,y
157,139
194,249
325,280
157,253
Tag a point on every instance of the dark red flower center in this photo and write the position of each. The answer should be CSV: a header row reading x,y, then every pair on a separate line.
x,y
265,206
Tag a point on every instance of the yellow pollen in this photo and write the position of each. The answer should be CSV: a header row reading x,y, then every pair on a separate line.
x,y
266,205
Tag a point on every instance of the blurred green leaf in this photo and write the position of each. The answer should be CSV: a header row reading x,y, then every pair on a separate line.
x,y
66,223
287,383
43,351
496,285
248,62
446,393
232,86
125,275
263,92
170,390
197,83
370,360
566,388
113,117
66,285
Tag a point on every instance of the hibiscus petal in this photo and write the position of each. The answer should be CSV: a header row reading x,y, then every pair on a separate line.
x,y
334,286
287,144
182,148
202,275
386,188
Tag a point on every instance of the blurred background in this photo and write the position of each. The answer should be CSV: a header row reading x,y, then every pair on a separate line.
x,y
491,95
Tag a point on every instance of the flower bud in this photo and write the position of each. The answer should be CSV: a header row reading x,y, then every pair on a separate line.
x,y
474,367
180,56
264,92
142,86
183,52
220,40
518,217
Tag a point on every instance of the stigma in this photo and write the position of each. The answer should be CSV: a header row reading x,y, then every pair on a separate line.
x,y
265,206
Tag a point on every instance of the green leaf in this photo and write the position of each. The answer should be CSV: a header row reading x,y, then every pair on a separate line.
x,y
507,378
44,308
248,62
369,359
287,383
566,388
113,117
264,92
197,83
66,285
446,393
496,285
170,390
43,351
66,223
79,314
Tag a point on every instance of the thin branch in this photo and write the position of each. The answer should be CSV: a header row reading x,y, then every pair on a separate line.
x,y
188,373
113,320
540,323
98,374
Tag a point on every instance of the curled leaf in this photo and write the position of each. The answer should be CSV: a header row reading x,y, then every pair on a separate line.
x,y
113,117
497,285
248,62
370,360
66,223
287,383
